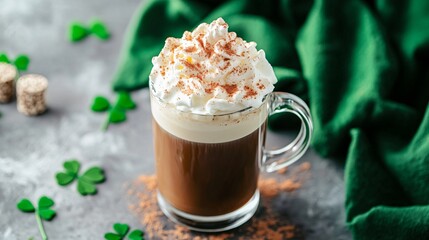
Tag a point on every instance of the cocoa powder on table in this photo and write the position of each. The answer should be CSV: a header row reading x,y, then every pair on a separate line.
x,y
266,224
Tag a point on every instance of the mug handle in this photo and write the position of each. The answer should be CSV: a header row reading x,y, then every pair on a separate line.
x,y
280,102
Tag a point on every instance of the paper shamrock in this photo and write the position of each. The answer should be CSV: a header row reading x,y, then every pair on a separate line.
x,y
121,230
21,62
78,31
117,112
43,211
85,182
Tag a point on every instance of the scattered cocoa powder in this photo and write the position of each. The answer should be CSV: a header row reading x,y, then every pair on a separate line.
x,y
230,88
260,85
207,49
250,92
208,52
226,65
211,87
228,48
268,187
305,166
266,224
289,185
185,89
187,35
282,171
149,182
190,49
192,66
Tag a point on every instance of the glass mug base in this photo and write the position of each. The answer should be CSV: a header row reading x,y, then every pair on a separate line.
x,y
218,223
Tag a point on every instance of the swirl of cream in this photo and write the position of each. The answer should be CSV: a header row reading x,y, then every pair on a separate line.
x,y
211,71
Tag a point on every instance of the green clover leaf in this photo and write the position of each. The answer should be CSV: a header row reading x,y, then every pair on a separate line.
x,y
117,115
77,32
85,182
94,175
72,166
86,188
136,235
99,29
125,101
43,211
4,58
118,112
21,62
121,231
47,214
45,203
25,206
100,104
64,179
72,169
112,236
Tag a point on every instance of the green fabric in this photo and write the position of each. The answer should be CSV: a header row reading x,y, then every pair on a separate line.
x,y
363,67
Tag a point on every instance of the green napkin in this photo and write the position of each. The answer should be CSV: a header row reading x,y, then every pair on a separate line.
x,y
363,66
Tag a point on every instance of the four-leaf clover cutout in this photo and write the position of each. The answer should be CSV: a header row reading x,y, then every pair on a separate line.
x,y
85,182
121,230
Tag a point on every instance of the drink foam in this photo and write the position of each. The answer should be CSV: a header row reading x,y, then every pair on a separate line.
x,y
207,128
211,71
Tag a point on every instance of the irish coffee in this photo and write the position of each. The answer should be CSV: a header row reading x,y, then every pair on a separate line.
x,y
211,94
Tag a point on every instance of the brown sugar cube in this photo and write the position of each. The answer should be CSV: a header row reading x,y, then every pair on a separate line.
x,y
30,90
7,82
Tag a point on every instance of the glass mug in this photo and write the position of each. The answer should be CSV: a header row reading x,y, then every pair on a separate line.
x,y
208,166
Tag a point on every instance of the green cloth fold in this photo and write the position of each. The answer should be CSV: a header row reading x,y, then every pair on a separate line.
x,y
363,67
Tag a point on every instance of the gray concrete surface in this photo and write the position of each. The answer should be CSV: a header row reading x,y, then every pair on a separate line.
x,y
32,150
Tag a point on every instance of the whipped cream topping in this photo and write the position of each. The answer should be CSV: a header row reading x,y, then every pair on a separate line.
x,y
211,71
